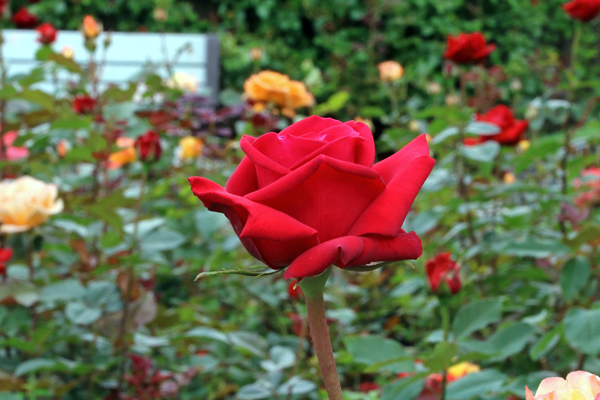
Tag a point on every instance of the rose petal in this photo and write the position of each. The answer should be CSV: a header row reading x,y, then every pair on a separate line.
x,y
244,179
325,194
269,235
267,170
366,155
309,125
350,251
286,150
404,173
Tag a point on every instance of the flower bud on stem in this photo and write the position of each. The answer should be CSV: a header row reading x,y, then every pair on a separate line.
x,y
315,306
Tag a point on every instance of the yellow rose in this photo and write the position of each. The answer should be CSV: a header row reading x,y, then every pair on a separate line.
x,y
270,86
26,203
183,81
461,370
390,71
125,156
190,147
579,385
91,28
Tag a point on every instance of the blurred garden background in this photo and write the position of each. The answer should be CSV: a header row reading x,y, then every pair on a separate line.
x,y
117,283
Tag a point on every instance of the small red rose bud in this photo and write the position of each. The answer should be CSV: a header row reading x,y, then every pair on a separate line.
x,y
582,10
148,146
442,267
47,33
5,256
83,104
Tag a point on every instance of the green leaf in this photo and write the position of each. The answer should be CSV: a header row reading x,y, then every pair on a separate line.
x,y
476,385
405,389
582,329
80,314
255,270
63,290
335,103
485,152
376,349
586,234
162,241
65,62
110,239
34,365
574,277
43,99
482,128
545,343
442,356
476,315
72,122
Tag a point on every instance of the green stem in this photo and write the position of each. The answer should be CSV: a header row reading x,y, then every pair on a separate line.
x,y
315,306
575,47
446,327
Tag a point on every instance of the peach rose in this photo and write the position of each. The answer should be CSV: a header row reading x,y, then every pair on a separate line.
x,y
270,86
26,203
579,385
190,147
91,28
125,156
390,71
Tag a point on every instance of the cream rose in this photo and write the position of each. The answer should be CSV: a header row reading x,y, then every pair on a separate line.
x,y
26,203
183,81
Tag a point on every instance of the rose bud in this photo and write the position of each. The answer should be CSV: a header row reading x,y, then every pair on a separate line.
x,y
148,146
68,52
26,203
47,33
310,196
468,48
24,19
511,130
390,71
83,104
5,256
62,148
91,28
442,267
579,385
582,10
256,54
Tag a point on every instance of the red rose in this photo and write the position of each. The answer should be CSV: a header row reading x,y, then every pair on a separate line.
x,y
148,146
24,19
583,10
443,267
5,256
511,130
468,48
83,104
47,33
310,197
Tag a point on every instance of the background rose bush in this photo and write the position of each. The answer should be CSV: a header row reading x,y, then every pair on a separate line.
x,y
99,299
